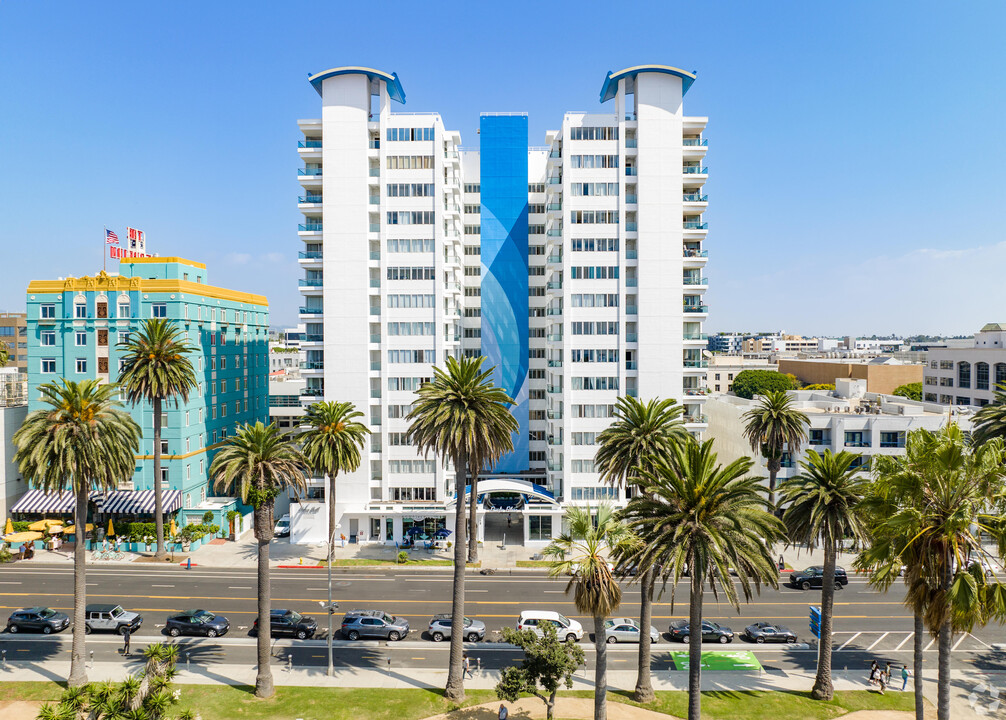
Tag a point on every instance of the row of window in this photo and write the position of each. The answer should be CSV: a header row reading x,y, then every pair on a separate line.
x,y
584,438
411,356
411,217
413,494
473,229
410,245
579,327
411,466
593,161
582,466
536,229
411,273
603,355
405,300
591,411
594,245
406,134
594,383
406,383
411,190
593,272
592,493
599,189
601,132
594,300
410,162
411,328
597,217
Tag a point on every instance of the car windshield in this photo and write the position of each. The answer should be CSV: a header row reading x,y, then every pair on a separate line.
x,y
468,621
609,623
563,620
294,617
47,613
117,611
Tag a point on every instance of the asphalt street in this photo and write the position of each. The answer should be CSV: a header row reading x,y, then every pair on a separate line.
x,y
868,624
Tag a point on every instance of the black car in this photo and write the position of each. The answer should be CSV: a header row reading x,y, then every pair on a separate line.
x,y
711,632
38,619
813,577
288,622
197,622
763,632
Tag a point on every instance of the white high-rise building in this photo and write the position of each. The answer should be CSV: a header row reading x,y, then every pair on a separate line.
x,y
417,249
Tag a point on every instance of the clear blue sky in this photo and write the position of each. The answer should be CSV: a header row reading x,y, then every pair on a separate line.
x,y
857,155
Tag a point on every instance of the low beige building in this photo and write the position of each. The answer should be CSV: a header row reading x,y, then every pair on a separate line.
x,y
724,368
14,334
882,374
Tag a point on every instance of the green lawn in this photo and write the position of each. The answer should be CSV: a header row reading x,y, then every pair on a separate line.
x,y
534,563
223,702
364,562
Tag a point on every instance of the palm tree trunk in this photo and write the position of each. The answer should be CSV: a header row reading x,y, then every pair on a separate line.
x,y
823,687
694,645
600,670
331,559
644,686
473,521
158,504
455,690
946,638
772,471
263,533
917,645
78,650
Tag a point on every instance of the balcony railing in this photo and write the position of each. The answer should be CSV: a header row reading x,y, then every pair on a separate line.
x,y
554,311
315,365
555,337
857,443
695,280
696,225
554,285
553,207
375,337
309,171
555,389
695,170
555,363
891,444
695,336
631,310
375,364
694,197
309,143
375,282
311,282
313,391
631,199
310,254
314,337
311,311
554,232
630,142
631,337
631,282
374,199
310,227
695,363
631,171
631,227
309,199
555,259
696,253
696,308
374,145
555,154
555,181
697,418
375,254
694,391
375,227
693,142
554,414
375,311
630,365
374,172
555,466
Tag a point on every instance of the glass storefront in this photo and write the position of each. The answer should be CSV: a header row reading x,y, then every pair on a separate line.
x,y
539,527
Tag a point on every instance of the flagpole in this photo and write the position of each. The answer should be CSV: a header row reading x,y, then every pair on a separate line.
x,y
104,241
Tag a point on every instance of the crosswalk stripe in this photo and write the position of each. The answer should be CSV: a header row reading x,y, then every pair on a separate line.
x,y
907,638
849,641
877,641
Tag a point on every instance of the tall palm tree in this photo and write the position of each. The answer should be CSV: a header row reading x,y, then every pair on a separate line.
x,y
259,463
638,437
332,444
773,426
960,501
81,440
583,552
702,519
824,507
156,369
990,421
464,419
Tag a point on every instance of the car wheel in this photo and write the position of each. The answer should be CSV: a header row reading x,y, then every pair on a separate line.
x,y
611,640
791,639
473,637
571,638
87,629
724,639
122,630
393,636
354,635
760,641
684,639
805,585
438,637
301,634
12,628
174,632
211,633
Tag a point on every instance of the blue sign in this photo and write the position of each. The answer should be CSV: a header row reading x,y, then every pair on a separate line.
x,y
815,621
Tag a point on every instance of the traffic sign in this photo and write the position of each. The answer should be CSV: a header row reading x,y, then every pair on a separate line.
x,y
815,621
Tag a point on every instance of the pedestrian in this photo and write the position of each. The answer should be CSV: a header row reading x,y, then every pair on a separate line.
x,y
468,666
508,519
21,551
503,712
904,677
882,682
887,674
125,642
874,672
782,564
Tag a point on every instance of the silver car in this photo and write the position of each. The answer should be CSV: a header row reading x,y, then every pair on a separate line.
x,y
626,630
440,628
374,623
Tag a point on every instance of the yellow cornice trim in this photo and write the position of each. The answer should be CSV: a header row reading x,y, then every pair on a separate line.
x,y
181,260
186,455
119,283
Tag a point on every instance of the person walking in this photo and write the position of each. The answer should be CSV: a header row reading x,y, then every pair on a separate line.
x,y
125,642
503,712
467,666
874,672
904,677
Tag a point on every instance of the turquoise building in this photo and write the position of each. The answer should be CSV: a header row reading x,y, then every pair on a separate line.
x,y
74,326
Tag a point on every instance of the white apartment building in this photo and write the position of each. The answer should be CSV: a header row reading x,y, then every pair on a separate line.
x,y
417,249
956,375
847,418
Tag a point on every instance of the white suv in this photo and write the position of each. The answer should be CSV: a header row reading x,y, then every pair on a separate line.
x,y
567,629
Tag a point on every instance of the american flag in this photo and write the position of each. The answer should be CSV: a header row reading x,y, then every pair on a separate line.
x,y
111,238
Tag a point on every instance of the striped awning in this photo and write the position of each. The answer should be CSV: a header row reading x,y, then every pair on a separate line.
x,y
137,502
40,502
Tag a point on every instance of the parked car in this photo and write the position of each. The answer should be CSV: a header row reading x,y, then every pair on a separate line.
x,y
374,623
571,630
813,577
282,528
980,562
711,632
288,622
763,632
39,619
626,630
440,628
110,618
197,622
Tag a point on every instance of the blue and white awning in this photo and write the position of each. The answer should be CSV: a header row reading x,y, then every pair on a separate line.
x,y
41,502
137,502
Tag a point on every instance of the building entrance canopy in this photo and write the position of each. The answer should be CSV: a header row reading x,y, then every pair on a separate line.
x,y
512,486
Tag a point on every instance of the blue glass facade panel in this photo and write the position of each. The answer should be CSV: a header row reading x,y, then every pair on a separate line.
x,y
503,160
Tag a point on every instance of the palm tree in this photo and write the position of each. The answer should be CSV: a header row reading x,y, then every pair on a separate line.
x,y
81,440
155,369
639,435
699,519
260,462
772,427
4,354
990,421
464,419
332,445
583,552
824,507
960,500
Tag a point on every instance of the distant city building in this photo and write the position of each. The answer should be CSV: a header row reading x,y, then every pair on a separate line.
x,y
849,418
14,334
967,373
13,411
74,327
724,368
882,374
726,343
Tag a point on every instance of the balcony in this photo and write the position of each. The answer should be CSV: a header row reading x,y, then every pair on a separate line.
x,y
555,466
630,142
695,226
696,419
696,308
311,311
695,363
555,337
631,365
694,391
696,253
857,443
631,171
631,310
309,227
313,391
311,172
694,197
554,441
631,199
314,365
309,143
309,199
554,207
695,280
555,181
695,170
631,227
695,336
311,282
554,285
695,142
310,254
555,363
554,414
555,154
554,389
555,259
313,338
554,311
554,232
631,254
631,282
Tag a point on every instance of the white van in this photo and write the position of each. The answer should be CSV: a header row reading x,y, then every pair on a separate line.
x,y
567,629
282,528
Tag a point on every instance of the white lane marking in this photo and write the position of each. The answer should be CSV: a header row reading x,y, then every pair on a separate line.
x,y
856,635
239,587
963,635
907,638
471,591
9,583
877,641
929,645
324,588
556,591
162,586
980,640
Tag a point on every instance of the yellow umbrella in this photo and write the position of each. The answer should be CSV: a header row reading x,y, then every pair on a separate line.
x,y
9,528
72,529
20,537
111,530
55,529
172,528
43,525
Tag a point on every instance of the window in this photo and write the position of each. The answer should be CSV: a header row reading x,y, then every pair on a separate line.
x,y
963,375
536,188
410,162
594,189
80,338
410,245
48,338
593,272
410,190
594,383
593,133
894,439
962,400
103,338
593,161
47,311
123,311
593,493
164,447
159,310
816,437
411,301
1000,369
48,365
398,467
80,310
591,217
981,376
411,273
411,356
103,365
594,245
946,364
594,300
946,399
101,309
594,328
405,134
539,527
476,229
475,188
81,365
223,358
930,397
855,439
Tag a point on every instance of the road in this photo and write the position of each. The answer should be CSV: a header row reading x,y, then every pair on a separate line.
x,y
868,624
